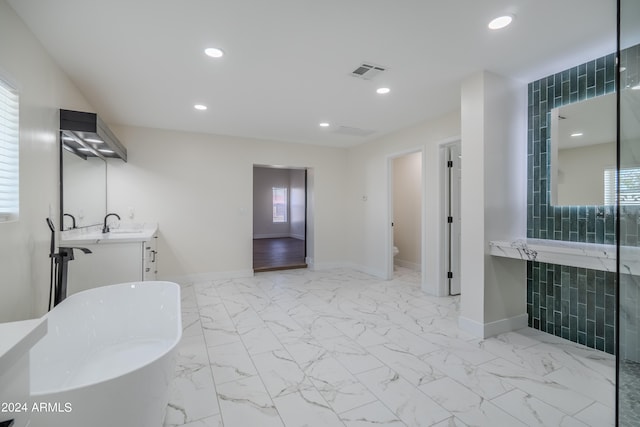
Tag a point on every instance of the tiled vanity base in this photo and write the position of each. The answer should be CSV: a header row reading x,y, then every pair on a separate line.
x,y
570,289
585,255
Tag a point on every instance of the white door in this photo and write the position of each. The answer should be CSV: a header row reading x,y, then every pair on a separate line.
x,y
453,225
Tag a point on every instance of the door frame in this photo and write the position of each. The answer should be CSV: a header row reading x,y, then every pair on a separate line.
x,y
423,196
444,282
309,218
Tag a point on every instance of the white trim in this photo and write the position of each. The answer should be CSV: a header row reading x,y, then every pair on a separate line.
x,y
271,236
441,287
379,274
407,264
279,236
485,330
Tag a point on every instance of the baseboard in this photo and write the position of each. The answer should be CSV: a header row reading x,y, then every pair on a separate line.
x,y
407,264
380,274
279,236
190,279
485,330
271,236
326,265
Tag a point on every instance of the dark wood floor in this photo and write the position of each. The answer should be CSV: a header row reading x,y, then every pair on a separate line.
x,y
278,254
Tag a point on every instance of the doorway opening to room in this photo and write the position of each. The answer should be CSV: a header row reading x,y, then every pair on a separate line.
x,y
279,218
407,207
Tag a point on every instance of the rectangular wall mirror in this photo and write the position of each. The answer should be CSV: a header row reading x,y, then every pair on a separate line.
x,y
83,188
630,144
583,152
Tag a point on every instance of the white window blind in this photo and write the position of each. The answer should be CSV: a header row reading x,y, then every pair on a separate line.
x,y
629,186
9,173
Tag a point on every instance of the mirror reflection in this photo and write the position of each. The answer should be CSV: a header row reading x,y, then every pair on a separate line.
x,y
84,190
630,145
583,152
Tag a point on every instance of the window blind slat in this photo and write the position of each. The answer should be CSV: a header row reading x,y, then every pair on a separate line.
x,y
9,154
629,186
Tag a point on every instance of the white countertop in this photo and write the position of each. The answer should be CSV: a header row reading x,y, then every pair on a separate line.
x,y
126,233
17,338
586,255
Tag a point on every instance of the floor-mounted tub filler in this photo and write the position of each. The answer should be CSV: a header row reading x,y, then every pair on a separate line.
x,y
108,357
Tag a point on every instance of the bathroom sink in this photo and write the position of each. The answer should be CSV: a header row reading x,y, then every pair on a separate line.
x,y
128,233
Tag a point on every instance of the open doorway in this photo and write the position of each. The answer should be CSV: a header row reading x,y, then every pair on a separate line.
x,y
279,218
407,214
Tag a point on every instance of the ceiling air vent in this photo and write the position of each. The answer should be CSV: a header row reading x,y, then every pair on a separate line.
x,y
367,71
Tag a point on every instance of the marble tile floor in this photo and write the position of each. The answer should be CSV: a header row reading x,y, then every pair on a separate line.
x,y
340,348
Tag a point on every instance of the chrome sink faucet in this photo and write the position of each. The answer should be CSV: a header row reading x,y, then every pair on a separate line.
x,y
105,227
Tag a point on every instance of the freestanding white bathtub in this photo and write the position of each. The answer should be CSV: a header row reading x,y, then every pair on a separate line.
x,y
108,357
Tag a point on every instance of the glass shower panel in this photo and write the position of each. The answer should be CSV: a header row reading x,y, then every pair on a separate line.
x,y
628,185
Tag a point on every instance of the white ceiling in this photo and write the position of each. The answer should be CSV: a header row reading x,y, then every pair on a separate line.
x,y
287,62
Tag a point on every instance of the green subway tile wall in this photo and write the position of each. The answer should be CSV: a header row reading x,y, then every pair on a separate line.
x,y
574,303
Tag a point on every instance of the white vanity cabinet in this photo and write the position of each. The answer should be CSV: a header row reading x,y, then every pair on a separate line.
x,y
117,257
150,259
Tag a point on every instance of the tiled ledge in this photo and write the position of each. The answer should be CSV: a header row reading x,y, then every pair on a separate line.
x,y
586,255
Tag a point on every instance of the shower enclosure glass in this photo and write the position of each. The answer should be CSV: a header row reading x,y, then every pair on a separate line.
x,y
628,215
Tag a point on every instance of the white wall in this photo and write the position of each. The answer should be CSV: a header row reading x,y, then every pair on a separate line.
x,y
493,198
199,188
407,209
369,222
43,89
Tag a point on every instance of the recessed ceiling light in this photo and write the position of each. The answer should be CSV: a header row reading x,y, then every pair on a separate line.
x,y
576,134
214,52
500,22
324,125
200,107
383,90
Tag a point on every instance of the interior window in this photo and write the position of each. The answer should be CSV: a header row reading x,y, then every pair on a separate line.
x,y
9,173
280,203
629,186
